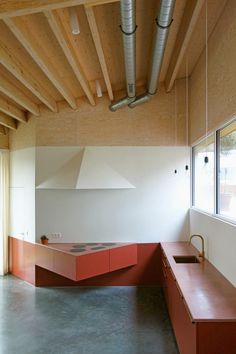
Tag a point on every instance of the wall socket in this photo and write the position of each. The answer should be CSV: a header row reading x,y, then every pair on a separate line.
x,y
55,235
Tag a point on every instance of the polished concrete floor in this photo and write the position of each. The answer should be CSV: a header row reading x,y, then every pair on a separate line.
x,y
105,320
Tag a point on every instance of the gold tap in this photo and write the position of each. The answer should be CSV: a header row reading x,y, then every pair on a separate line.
x,y
202,254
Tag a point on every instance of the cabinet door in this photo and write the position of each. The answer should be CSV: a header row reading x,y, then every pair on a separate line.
x,y
17,258
216,337
29,262
185,330
122,257
91,265
166,283
44,257
64,264
22,259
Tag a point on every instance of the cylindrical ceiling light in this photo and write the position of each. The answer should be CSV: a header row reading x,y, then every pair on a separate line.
x,y
98,88
74,23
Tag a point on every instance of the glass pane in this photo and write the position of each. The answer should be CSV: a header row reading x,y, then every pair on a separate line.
x,y
203,155
227,201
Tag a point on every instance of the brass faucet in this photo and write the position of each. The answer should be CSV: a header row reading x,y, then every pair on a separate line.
x,y
202,254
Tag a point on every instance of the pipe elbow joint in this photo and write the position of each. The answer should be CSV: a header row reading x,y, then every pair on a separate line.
x,y
121,103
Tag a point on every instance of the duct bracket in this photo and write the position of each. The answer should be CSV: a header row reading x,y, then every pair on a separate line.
x,y
128,33
163,27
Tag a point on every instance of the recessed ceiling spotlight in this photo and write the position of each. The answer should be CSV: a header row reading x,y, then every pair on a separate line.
x,y
98,88
74,22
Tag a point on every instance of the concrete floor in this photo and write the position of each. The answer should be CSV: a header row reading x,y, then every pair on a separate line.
x,y
105,320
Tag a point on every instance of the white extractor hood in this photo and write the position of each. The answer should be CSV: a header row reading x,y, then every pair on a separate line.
x,y
85,171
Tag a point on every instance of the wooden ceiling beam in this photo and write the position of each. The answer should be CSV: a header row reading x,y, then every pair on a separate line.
x,y
191,14
7,121
22,73
98,45
15,8
17,96
7,108
3,130
29,41
69,47
98,2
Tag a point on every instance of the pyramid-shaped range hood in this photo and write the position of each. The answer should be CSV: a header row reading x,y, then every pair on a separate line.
x,y
86,171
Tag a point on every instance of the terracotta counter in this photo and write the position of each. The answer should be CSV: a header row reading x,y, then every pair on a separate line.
x,y
79,249
207,294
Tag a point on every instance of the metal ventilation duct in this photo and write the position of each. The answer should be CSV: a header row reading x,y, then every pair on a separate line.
x,y
128,28
163,22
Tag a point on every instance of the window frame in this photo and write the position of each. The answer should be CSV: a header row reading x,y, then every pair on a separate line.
x,y
216,213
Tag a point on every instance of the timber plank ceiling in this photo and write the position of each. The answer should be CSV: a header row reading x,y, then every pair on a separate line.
x,y
42,62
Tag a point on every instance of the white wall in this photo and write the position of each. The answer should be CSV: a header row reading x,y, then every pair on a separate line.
x,y
22,194
156,210
220,238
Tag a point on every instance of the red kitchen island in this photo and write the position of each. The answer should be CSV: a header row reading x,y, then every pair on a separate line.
x,y
79,261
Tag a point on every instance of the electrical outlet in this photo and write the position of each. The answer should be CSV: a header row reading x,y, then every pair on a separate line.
x,y
55,235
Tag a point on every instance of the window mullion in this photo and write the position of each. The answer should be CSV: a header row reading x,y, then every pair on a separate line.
x,y
217,173
193,178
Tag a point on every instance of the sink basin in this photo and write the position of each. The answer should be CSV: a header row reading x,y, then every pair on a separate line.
x,y
186,259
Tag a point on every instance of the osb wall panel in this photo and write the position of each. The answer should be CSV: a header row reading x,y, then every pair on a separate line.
x,y
221,77
4,142
150,124
24,136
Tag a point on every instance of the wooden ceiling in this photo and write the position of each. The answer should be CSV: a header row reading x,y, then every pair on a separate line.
x,y
42,62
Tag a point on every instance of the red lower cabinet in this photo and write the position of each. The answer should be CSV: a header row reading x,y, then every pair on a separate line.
x,y
17,257
22,259
64,264
201,337
217,338
123,257
165,282
29,262
91,265
185,330
44,257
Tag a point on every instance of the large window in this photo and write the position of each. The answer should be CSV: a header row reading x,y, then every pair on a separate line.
x,y
214,173
204,157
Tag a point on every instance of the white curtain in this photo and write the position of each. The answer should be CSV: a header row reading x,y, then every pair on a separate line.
x,y
4,210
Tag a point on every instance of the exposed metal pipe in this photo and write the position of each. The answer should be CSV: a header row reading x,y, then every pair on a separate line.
x,y
128,28
163,22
